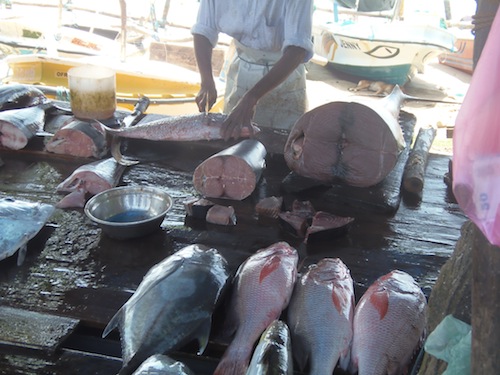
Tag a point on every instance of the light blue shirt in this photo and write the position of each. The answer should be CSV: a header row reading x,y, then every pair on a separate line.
x,y
265,25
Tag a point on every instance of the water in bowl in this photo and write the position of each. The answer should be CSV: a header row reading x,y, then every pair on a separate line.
x,y
130,216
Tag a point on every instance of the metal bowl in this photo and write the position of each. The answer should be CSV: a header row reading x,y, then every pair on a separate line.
x,y
129,211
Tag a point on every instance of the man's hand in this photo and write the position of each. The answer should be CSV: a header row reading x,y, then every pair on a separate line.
x,y
240,117
206,97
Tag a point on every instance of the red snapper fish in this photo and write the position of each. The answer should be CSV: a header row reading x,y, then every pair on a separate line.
x,y
389,324
262,289
320,317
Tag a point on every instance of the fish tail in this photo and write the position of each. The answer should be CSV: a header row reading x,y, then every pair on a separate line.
x,y
235,360
117,154
231,366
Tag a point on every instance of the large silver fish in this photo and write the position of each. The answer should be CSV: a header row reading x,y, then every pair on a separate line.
x,y
320,317
389,323
197,127
273,354
20,221
18,126
160,364
262,290
92,178
172,305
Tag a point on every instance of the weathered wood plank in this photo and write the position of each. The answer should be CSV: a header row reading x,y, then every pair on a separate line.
x,y
34,330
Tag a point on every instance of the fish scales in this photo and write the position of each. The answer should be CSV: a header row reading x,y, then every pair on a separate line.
x,y
320,317
172,305
389,323
262,290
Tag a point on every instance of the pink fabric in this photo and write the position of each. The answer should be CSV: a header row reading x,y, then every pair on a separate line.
x,y
476,142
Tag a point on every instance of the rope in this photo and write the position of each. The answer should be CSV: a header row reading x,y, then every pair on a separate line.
x,y
62,94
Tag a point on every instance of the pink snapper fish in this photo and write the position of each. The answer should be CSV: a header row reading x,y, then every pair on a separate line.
x,y
320,316
389,324
262,289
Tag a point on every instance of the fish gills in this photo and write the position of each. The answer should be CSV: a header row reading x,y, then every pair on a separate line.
x,y
389,323
172,305
261,291
320,316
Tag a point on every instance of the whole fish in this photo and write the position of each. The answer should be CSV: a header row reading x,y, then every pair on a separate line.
x,y
389,323
17,96
273,354
320,317
92,178
197,127
261,291
18,126
160,364
79,138
172,305
20,221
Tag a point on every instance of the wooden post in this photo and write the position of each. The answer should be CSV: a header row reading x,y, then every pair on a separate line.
x,y
413,177
485,306
123,17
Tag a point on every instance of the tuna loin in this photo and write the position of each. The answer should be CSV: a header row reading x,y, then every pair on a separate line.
x,y
91,178
357,143
232,173
79,138
389,323
18,126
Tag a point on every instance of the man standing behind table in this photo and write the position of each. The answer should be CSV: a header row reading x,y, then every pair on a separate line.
x,y
266,76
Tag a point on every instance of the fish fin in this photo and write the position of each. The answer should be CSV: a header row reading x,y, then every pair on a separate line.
x,y
269,267
203,335
345,359
21,254
117,154
113,323
232,363
380,301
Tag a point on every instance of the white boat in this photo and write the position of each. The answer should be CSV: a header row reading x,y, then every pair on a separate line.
x,y
378,45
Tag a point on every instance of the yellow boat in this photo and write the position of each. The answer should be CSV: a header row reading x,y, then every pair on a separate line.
x,y
170,88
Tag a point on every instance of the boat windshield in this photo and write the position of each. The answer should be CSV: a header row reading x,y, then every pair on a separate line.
x,y
375,5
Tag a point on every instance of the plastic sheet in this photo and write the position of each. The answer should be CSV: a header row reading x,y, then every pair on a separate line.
x,y
451,342
476,147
